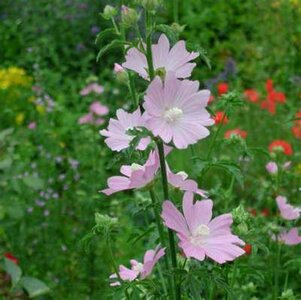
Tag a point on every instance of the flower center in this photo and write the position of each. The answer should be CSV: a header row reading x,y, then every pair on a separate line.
x,y
200,235
136,167
138,267
183,174
173,114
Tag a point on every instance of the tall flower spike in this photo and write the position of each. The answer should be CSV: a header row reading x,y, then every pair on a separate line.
x,y
117,134
175,110
199,234
141,270
176,59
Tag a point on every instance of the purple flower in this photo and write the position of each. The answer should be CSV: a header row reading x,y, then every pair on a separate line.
x,y
95,29
92,88
40,203
290,237
98,109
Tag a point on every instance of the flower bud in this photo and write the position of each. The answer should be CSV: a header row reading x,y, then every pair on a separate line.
x,y
177,28
121,74
109,12
240,214
104,222
129,16
149,4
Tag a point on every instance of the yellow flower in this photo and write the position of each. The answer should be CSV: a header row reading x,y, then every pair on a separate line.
x,y
20,118
40,109
14,76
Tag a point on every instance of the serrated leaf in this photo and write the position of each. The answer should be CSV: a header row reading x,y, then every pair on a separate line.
x,y
34,287
109,32
110,46
13,270
34,182
171,34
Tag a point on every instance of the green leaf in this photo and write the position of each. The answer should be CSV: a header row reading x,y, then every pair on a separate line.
x,y
34,182
222,283
202,52
110,46
13,270
171,34
5,133
6,163
34,287
109,32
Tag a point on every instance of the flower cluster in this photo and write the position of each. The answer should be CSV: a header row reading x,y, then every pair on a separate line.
x,y
175,114
14,76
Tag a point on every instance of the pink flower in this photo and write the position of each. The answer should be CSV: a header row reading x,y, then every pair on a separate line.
x,y
86,119
175,59
199,235
118,68
117,134
181,181
287,211
272,167
92,87
134,176
176,110
142,270
32,125
98,109
291,237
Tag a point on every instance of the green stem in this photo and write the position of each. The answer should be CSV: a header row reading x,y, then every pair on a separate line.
x,y
277,266
132,89
109,245
149,56
176,11
170,232
215,136
115,25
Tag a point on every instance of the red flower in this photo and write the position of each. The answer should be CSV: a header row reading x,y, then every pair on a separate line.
x,y
298,116
284,146
222,88
248,249
243,134
265,212
220,117
9,256
296,130
272,97
251,95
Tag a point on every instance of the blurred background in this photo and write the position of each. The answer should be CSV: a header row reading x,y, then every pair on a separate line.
x,y
53,162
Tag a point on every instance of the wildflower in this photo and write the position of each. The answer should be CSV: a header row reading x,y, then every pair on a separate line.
x,y
236,132
118,136
176,110
220,117
32,125
265,212
248,249
181,181
134,176
11,257
251,95
92,88
272,168
287,165
296,130
199,235
98,109
139,270
287,211
177,59
222,88
290,237
88,118
281,146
